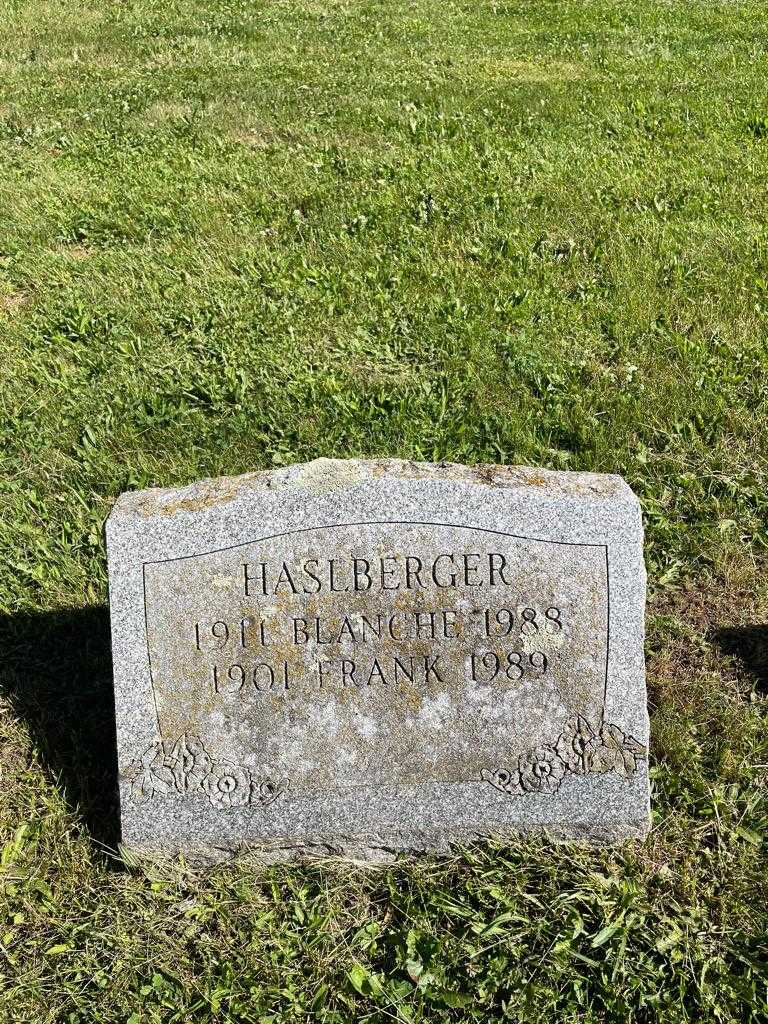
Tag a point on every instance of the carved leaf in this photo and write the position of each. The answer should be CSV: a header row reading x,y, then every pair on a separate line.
x,y
614,751
269,791
162,779
152,780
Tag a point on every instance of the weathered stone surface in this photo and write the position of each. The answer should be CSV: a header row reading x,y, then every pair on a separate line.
x,y
371,656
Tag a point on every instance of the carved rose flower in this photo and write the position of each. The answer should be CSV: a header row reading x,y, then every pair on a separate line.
x,y
541,770
192,763
151,774
503,780
614,751
228,785
573,745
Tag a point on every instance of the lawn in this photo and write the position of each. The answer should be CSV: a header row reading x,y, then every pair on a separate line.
x,y
235,235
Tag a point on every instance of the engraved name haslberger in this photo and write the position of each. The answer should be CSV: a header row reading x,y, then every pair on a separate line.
x,y
448,569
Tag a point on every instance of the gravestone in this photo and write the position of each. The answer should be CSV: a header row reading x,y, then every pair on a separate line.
x,y
364,657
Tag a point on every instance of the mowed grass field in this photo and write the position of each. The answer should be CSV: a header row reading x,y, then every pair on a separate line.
x,y
235,235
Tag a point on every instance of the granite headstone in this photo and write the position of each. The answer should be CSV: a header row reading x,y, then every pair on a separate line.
x,y
370,656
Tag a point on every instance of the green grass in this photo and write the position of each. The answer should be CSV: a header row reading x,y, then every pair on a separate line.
x,y
235,235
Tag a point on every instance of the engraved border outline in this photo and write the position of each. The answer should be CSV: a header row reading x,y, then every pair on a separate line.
x,y
378,522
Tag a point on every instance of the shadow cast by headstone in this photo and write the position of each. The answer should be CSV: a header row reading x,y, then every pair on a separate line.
x,y
56,673
749,645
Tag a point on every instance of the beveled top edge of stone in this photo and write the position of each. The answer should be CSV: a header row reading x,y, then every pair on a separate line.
x,y
323,476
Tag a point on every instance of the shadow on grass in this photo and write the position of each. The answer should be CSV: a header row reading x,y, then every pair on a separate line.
x,y
749,645
56,673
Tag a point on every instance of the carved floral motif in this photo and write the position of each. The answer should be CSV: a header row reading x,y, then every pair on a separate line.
x,y
579,750
541,771
504,780
228,786
186,767
573,745
615,752
192,764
